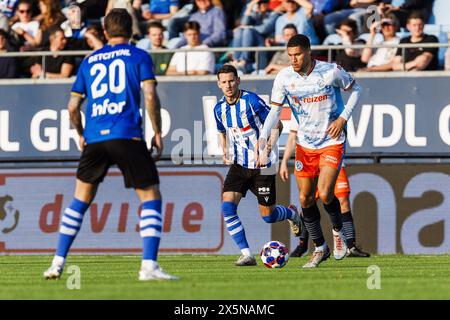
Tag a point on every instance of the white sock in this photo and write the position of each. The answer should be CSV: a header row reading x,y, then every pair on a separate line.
x,y
58,261
149,264
246,252
322,247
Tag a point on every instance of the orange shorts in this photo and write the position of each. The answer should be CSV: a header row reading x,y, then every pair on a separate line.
x,y
342,186
309,161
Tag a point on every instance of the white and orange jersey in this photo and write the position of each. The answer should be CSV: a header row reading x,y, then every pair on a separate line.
x,y
315,100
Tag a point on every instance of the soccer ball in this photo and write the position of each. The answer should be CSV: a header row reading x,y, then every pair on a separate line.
x,y
274,254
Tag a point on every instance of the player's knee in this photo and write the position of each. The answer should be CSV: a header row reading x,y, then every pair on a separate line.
x,y
306,200
326,196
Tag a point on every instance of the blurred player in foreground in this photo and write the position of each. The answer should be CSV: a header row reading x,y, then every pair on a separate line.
x,y
240,116
313,91
341,191
111,80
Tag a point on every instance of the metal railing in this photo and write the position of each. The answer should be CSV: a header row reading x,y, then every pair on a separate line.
x,y
328,48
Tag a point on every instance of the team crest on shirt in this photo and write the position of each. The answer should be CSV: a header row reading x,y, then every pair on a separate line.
x,y
292,86
298,165
321,83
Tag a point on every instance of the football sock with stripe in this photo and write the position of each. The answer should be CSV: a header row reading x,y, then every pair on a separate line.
x,y
349,228
311,218
235,227
70,225
334,211
150,231
280,213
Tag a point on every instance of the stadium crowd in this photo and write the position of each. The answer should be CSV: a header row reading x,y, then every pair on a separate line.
x,y
52,25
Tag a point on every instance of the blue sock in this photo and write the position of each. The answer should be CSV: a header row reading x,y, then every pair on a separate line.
x,y
151,228
280,213
234,225
70,225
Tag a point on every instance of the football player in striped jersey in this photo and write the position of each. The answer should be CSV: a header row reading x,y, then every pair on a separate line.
x,y
240,116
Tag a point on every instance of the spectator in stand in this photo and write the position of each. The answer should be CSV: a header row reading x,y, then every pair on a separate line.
x,y
355,10
349,59
402,12
233,10
7,64
25,29
281,59
257,24
198,62
299,13
51,16
383,58
154,40
276,5
95,37
7,8
157,9
417,58
211,18
55,66
321,9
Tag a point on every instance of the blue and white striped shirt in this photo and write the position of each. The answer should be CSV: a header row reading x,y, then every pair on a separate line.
x,y
242,123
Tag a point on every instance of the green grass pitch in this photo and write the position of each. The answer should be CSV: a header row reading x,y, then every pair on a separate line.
x,y
216,277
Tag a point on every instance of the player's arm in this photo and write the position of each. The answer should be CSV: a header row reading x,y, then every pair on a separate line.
x,y
74,107
288,151
344,81
153,107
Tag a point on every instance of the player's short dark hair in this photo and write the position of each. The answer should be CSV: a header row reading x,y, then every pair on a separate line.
x,y
155,24
29,2
301,41
118,23
227,68
191,25
290,26
416,15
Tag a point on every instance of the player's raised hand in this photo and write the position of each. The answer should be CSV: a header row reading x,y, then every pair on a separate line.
x,y
284,171
336,127
157,146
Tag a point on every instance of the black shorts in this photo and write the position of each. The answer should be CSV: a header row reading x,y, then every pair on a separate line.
x,y
240,179
131,156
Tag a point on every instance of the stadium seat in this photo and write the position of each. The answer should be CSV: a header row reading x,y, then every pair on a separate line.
x,y
332,39
397,3
365,37
440,14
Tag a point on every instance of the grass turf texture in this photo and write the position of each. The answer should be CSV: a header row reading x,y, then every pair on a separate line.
x,y
216,277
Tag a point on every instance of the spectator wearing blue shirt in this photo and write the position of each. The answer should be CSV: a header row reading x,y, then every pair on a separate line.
x,y
159,9
212,21
298,13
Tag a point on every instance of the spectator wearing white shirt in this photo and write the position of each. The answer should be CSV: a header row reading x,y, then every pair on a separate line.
x,y
196,62
382,58
26,28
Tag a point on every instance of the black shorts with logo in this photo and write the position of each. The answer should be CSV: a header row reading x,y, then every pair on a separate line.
x,y
240,179
131,156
